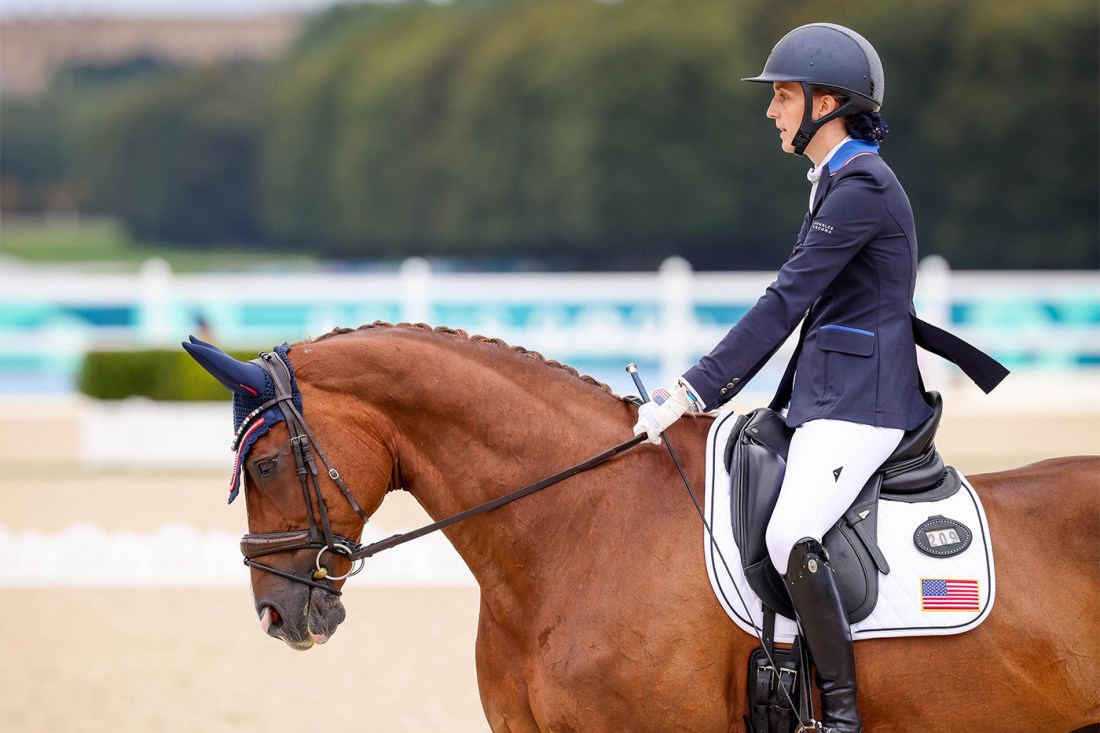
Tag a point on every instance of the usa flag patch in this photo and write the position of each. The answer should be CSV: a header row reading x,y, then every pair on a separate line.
x,y
949,594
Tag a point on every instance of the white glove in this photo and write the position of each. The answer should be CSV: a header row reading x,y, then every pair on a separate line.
x,y
653,419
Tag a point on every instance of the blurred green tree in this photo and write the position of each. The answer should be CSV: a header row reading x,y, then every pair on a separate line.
x,y
178,159
36,152
582,134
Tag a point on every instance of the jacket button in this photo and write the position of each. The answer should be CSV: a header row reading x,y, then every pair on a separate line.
x,y
723,390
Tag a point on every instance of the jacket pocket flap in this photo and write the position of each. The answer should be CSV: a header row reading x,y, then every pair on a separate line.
x,y
846,340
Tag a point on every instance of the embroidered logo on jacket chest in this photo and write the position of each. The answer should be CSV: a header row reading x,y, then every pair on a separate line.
x,y
825,228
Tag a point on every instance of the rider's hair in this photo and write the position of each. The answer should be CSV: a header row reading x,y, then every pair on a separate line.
x,y
867,126
862,125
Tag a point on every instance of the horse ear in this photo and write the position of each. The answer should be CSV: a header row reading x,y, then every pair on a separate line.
x,y
244,378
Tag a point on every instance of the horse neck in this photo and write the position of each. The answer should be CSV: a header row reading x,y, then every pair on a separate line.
x,y
471,422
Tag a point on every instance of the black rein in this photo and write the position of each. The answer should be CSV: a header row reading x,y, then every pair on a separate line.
x,y
399,539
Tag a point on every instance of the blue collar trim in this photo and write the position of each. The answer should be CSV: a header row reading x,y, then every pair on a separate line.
x,y
849,150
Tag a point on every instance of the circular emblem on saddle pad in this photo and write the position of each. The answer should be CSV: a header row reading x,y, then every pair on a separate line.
x,y
940,536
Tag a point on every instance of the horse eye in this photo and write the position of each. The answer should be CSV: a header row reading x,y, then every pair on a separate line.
x,y
266,467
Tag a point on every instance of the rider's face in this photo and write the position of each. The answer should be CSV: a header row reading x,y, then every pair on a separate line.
x,y
786,109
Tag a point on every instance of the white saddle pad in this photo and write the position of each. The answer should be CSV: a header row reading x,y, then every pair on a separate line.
x,y
922,595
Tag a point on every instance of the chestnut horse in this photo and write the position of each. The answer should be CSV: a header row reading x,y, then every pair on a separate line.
x,y
596,610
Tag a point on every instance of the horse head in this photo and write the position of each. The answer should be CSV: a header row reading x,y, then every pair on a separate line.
x,y
309,489
454,420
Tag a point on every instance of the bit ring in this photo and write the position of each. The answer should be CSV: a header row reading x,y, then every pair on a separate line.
x,y
341,549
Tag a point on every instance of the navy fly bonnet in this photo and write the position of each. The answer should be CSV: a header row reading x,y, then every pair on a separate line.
x,y
251,421
252,389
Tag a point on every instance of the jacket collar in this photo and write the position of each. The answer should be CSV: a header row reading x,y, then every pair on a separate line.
x,y
843,156
849,150
814,174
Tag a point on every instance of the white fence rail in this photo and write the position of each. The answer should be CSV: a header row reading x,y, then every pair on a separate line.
x,y
596,321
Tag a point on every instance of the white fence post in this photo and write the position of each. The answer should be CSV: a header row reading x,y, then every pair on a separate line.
x,y
155,302
677,321
415,276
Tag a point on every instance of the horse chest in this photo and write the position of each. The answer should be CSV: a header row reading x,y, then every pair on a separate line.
x,y
583,674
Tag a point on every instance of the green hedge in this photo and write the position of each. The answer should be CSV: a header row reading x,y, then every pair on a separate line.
x,y
158,375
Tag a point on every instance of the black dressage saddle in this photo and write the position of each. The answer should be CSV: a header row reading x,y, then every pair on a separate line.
x,y
756,458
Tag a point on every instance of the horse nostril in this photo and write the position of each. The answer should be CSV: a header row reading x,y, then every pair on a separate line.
x,y
269,619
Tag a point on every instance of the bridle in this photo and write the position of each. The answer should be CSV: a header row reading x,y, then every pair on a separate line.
x,y
320,536
303,444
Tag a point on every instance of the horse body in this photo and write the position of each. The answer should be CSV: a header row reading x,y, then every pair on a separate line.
x,y
596,610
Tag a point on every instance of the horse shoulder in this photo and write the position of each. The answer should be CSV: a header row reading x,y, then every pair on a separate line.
x,y
636,613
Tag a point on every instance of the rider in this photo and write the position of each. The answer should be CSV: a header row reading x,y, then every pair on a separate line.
x,y
851,276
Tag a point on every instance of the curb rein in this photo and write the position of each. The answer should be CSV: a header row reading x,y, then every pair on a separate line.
x,y
301,439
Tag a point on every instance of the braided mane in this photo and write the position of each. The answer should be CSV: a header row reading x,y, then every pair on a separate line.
x,y
459,333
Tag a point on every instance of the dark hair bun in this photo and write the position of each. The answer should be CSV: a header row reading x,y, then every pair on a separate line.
x,y
868,126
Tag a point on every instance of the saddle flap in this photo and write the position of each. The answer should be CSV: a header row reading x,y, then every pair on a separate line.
x,y
863,519
756,459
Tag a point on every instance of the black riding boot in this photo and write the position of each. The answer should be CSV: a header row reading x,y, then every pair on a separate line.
x,y
825,628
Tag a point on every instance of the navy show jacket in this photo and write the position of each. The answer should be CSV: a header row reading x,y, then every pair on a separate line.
x,y
851,275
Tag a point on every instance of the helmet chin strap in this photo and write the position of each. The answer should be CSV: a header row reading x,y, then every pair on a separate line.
x,y
810,126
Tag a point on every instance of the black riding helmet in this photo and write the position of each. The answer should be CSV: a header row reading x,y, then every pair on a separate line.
x,y
829,56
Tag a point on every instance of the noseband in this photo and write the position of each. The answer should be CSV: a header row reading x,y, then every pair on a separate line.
x,y
319,536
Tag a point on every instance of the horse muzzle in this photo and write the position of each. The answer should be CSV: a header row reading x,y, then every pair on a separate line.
x,y
297,602
300,618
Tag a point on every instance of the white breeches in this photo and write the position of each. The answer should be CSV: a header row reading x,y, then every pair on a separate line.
x,y
828,464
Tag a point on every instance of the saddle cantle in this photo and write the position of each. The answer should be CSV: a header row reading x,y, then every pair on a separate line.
x,y
756,457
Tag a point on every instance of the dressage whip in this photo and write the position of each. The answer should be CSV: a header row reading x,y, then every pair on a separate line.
x,y
632,369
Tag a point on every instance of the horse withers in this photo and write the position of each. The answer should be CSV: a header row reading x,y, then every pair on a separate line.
x,y
596,609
